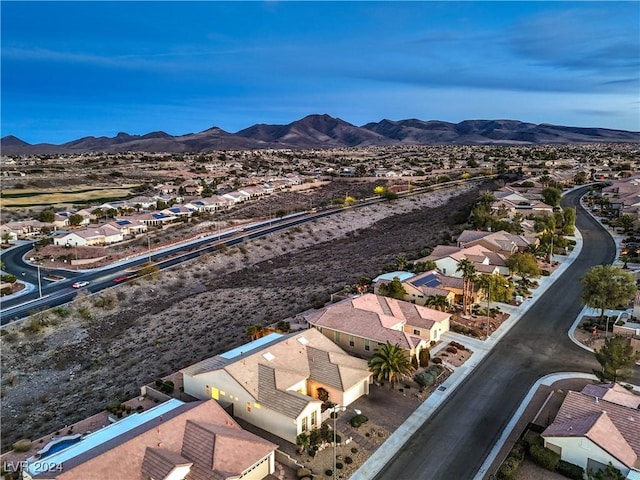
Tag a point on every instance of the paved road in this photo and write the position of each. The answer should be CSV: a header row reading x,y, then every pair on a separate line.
x,y
453,444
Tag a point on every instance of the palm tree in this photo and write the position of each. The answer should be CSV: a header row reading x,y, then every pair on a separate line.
x,y
401,262
390,362
439,302
256,331
468,276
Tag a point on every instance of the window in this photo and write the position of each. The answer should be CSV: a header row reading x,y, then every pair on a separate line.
x,y
416,331
314,418
337,337
352,341
367,346
305,427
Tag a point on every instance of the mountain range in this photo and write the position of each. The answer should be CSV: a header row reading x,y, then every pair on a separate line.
x,y
324,131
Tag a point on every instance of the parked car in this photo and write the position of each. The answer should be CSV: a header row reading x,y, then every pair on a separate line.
x,y
80,284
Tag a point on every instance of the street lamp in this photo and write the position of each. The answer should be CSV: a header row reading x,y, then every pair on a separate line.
x,y
488,304
334,413
39,281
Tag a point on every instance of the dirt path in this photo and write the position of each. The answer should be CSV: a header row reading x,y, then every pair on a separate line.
x,y
78,364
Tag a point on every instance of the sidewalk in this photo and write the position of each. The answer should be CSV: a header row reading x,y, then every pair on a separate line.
x,y
480,350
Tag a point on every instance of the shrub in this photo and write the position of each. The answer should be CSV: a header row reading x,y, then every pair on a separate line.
x,y
358,420
437,360
453,350
544,457
509,468
328,473
303,472
354,450
348,460
570,470
339,466
61,312
424,357
22,445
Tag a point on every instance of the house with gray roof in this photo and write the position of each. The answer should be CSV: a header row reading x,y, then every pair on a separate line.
x,y
598,426
273,382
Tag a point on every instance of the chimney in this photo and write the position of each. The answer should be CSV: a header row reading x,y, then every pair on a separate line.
x,y
597,400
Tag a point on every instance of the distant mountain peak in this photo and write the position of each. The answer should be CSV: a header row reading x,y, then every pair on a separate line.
x,y
325,131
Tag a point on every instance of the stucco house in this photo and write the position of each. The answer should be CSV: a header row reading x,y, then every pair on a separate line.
x,y
598,426
425,285
484,260
501,242
360,324
102,235
272,382
172,441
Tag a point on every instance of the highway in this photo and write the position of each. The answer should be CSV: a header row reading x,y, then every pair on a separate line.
x,y
55,293
457,438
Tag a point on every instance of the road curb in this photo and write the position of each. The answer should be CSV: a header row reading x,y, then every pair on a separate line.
x,y
546,380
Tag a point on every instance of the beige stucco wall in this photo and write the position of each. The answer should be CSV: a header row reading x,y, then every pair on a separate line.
x,y
579,450
245,406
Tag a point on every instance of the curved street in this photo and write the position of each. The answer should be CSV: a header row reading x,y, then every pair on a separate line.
x,y
456,439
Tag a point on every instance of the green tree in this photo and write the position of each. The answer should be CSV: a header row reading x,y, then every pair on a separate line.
x,y
439,302
6,236
302,440
500,288
75,219
580,178
524,264
469,273
606,286
617,358
568,228
551,196
626,222
420,267
46,216
390,362
393,289
401,262
256,331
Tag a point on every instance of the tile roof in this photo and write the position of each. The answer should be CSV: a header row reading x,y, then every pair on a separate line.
x,y
377,318
287,402
159,462
169,441
614,393
292,359
615,428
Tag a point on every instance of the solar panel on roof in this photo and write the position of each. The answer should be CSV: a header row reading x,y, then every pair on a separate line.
x,y
428,281
123,222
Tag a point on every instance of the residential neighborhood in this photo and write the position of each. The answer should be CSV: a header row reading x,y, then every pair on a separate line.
x,y
273,396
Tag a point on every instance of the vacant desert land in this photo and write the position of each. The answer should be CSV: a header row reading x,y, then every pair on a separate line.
x,y
138,332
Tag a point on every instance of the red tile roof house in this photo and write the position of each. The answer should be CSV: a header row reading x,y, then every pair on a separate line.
x,y
172,441
599,425
361,324
272,382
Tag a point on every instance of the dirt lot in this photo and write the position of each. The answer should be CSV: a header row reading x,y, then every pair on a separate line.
x,y
79,363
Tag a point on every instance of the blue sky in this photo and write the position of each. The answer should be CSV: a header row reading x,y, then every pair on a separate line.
x,y
71,69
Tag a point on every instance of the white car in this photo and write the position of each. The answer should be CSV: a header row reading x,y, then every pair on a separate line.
x,y
80,284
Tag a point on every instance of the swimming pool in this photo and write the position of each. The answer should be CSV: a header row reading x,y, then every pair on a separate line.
x,y
59,444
